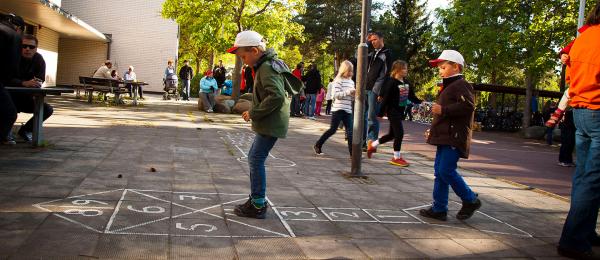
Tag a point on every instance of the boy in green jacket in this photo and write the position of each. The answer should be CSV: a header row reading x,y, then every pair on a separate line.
x,y
269,113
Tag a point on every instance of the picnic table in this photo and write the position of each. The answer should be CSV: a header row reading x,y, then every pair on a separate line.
x,y
39,95
114,86
135,88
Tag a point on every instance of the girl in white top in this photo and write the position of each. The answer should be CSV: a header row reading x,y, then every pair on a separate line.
x,y
343,94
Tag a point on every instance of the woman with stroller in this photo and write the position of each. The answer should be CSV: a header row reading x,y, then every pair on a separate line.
x,y
170,77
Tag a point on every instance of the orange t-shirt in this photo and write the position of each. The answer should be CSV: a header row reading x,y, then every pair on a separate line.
x,y
584,70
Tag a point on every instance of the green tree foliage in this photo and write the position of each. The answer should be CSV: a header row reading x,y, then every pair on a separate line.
x,y
408,33
210,26
334,24
498,36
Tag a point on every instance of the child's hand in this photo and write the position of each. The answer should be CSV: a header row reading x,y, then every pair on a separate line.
x,y
246,116
564,58
426,134
436,109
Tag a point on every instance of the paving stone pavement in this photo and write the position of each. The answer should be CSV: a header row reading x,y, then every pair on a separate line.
x,y
159,181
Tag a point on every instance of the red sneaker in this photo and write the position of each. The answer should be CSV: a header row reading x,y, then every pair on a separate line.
x,y
370,149
399,162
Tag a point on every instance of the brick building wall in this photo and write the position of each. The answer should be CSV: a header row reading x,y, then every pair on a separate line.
x,y
48,48
79,58
140,36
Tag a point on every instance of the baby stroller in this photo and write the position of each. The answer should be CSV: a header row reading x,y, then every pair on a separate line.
x,y
170,88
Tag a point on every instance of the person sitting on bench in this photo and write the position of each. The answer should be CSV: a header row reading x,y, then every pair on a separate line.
x,y
32,72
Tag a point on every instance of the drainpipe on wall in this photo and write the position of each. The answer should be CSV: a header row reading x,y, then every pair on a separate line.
x,y
109,44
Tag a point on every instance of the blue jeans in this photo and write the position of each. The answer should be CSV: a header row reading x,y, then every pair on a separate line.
x,y
309,105
336,118
259,151
446,159
580,226
372,124
186,87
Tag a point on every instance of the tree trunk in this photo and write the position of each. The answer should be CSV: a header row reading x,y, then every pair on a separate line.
x,y
211,60
237,78
528,95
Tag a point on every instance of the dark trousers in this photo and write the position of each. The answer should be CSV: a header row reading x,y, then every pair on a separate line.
x,y
328,107
396,133
25,104
336,118
8,113
295,105
567,138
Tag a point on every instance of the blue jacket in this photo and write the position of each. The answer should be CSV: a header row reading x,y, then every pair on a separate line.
x,y
208,85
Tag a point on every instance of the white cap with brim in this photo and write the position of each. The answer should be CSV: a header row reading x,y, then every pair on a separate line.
x,y
247,39
448,55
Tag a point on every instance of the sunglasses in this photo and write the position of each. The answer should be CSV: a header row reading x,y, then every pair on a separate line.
x,y
27,46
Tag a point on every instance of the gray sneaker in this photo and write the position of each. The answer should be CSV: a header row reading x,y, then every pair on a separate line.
x,y
9,140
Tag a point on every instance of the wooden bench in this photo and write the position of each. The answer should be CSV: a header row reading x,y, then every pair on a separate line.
x,y
103,86
39,95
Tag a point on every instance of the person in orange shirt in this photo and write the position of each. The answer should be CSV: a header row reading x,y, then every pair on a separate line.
x,y
583,71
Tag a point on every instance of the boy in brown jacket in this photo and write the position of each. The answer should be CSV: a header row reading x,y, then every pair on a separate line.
x,y
451,132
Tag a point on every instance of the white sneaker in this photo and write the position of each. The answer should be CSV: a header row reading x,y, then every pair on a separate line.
x,y
209,111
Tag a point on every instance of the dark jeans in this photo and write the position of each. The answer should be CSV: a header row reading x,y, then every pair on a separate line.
x,y
336,118
580,226
259,151
446,160
328,107
396,133
25,104
567,139
295,105
8,113
549,135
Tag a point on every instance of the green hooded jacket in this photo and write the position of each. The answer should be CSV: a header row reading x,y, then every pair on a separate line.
x,y
273,84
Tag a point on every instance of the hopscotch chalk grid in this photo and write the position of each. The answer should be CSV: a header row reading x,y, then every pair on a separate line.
x,y
164,213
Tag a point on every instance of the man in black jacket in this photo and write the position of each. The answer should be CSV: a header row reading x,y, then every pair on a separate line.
x,y
32,72
219,74
186,73
379,63
313,85
10,41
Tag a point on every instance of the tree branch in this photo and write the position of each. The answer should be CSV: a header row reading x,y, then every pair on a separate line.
x,y
263,9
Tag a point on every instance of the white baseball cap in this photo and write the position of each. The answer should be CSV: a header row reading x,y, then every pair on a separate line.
x,y
247,39
448,55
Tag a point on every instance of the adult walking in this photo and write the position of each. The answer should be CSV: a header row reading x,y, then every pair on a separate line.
x,y
579,232
186,74
380,62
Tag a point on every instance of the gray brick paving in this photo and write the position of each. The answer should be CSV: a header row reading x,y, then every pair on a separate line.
x,y
182,171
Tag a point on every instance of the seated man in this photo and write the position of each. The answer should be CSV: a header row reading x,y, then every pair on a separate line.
x,y
32,72
104,72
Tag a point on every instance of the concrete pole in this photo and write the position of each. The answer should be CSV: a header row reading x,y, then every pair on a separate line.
x,y
581,15
359,104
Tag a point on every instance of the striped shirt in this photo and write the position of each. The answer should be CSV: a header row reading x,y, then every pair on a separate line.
x,y
342,98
